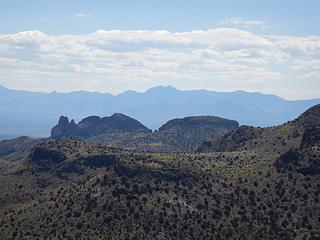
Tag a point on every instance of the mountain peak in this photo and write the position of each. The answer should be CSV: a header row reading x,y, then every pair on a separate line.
x,y
118,115
315,110
64,128
94,125
199,121
162,89
311,117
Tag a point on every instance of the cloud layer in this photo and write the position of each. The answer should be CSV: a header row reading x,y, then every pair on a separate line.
x,y
241,21
113,61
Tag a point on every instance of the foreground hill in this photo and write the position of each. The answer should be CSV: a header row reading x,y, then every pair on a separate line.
x,y
71,189
12,152
177,135
294,134
152,107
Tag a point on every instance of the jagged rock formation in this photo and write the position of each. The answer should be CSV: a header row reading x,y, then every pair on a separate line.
x,y
64,128
94,125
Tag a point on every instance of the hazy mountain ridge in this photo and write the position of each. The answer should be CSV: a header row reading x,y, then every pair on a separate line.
x,y
21,115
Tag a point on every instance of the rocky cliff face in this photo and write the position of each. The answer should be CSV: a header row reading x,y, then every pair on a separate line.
x,y
94,125
64,128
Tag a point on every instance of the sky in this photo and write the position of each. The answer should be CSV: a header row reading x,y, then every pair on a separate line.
x,y
112,46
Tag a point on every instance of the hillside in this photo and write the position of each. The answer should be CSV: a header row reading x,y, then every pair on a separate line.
x,y
178,135
150,107
71,189
293,134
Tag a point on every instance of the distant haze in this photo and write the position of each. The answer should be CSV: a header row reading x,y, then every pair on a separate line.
x,y
34,114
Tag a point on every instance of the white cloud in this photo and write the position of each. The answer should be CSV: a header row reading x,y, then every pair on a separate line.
x,y
241,21
309,65
115,60
83,15
247,24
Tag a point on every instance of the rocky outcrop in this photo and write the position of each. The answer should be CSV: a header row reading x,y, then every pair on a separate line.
x,y
45,158
64,128
94,125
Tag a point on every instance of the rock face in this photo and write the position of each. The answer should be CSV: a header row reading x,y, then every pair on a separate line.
x,y
64,128
46,158
94,125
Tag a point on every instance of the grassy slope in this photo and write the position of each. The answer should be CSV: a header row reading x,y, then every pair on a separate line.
x,y
158,196
253,189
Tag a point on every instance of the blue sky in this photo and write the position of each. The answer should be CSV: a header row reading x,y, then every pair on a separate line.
x,y
111,46
293,17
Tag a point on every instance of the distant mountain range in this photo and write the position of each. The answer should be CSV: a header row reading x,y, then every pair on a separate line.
x,y
34,113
